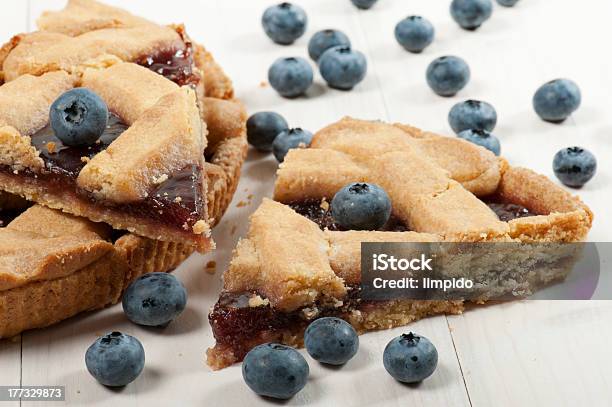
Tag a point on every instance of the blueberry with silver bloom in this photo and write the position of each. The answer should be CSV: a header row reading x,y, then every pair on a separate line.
x,y
472,114
275,370
482,138
410,358
78,117
556,100
342,67
364,4
470,14
290,77
288,139
323,40
574,166
447,75
262,129
414,33
331,340
361,206
284,23
115,359
507,3
154,299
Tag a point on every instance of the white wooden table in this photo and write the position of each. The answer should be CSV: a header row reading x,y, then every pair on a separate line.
x,y
525,353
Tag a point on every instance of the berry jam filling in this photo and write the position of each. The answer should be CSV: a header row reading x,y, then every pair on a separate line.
x,y
174,64
239,326
321,215
508,211
176,201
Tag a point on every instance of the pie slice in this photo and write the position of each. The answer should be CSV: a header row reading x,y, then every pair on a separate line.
x,y
129,178
54,265
296,264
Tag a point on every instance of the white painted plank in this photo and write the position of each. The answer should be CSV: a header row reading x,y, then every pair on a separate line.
x,y
544,353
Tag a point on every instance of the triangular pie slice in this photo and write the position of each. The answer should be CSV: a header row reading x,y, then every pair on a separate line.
x,y
110,35
296,264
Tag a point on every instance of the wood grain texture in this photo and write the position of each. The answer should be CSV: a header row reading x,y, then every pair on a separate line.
x,y
545,353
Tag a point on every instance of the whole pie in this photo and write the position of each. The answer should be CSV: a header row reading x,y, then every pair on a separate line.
x,y
50,275
297,264
171,152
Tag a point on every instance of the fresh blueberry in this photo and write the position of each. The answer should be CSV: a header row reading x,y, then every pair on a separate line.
x,y
470,14
507,3
414,33
364,4
482,138
361,206
472,114
410,358
574,166
556,100
288,139
324,40
342,67
448,75
115,359
275,370
290,77
78,117
154,299
263,127
284,23
331,340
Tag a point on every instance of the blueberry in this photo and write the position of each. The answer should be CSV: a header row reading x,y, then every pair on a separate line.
x,y
263,127
115,359
331,340
361,206
275,370
154,299
410,358
470,14
288,139
324,40
574,166
284,23
342,67
482,138
78,117
556,100
364,4
448,75
414,33
472,114
507,3
290,77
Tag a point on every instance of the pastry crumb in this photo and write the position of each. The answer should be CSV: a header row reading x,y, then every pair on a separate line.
x,y
200,227
51,147
263,84
241,204
233,230
211,267
324,205
257,301
178,199
160,179
85,160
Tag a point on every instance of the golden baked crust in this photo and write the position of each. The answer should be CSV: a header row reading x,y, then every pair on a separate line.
x,y
69,265
165,136
297,272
